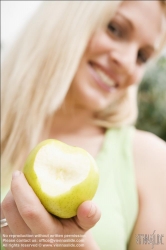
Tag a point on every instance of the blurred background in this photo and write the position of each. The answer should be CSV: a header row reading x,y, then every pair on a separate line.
x,y
152,91
152,99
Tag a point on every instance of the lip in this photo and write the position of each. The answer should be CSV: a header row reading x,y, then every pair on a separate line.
x,y
99,81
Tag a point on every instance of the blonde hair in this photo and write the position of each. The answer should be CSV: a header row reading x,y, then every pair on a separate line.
x,y
38,71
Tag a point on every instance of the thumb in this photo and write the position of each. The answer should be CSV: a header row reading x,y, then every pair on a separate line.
x,y
88,215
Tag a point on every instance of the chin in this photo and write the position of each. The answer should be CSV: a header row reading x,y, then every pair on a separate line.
x,y
92,100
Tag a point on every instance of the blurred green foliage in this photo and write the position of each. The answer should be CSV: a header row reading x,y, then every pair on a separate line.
x,y
152,99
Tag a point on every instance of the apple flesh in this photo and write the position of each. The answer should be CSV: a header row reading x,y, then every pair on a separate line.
x,y
62,176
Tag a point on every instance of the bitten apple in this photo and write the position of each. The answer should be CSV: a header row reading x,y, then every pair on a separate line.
x,y
62,176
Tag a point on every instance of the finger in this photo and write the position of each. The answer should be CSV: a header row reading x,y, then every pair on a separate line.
x,y
30,207
15,221
87,215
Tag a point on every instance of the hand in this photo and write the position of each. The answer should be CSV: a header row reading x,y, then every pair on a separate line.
x,y
26,216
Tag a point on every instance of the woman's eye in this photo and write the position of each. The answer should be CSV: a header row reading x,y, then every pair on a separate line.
x,y
142,57
114,29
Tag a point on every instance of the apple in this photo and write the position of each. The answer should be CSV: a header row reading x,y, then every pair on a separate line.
x,y
62,176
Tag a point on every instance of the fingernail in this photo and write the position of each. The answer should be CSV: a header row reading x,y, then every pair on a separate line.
x,y
92,211
16,174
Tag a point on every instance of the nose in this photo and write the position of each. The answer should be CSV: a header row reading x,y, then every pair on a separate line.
x,y
125,57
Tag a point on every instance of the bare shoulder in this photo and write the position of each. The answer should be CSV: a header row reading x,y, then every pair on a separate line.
x,y
150,170
149,148
150,160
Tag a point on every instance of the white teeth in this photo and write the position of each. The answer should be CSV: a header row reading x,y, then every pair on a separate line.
x,y
105,78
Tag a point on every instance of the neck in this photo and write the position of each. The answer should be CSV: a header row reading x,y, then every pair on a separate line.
x,y
75,128
75,121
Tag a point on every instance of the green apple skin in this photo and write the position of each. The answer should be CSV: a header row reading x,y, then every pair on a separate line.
x,y
66,204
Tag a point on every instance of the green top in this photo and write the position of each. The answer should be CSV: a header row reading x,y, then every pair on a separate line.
x,y
116,195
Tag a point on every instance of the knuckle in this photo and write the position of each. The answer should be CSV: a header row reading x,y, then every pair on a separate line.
x,y
29,212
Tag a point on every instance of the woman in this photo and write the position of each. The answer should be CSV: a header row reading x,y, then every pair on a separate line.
x,y
84,72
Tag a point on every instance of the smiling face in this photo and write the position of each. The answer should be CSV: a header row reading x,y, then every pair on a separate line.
x,y
116,56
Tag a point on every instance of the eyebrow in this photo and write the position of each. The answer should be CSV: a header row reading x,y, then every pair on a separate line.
x,y
149,47
126,19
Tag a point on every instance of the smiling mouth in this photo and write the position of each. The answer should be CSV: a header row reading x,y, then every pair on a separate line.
x,y
102,79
